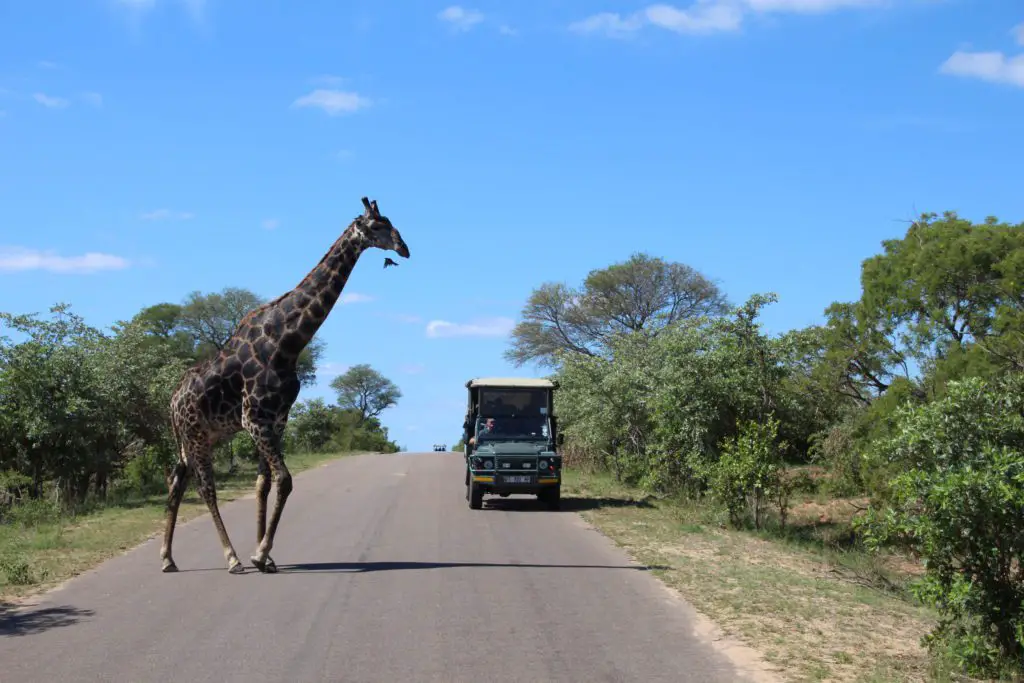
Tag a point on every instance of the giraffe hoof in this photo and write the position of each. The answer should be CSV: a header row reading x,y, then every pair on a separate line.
x,y
267,567
169,567
236,568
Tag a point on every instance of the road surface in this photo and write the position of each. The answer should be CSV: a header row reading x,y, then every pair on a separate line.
x,y
386,575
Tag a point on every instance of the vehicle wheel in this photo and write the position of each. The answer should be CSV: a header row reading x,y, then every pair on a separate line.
x,y
552,497
475,495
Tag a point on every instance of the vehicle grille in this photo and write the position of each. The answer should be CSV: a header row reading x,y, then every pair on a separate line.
x,y
507,464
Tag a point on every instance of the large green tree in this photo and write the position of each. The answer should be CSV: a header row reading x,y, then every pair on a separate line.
x,y
643,294
363,389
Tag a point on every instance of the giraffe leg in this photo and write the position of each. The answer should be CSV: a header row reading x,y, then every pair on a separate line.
x,y
262,492
268,445
208,491
179,482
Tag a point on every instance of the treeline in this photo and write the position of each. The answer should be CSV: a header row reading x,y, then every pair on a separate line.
x,y
910,396
83,410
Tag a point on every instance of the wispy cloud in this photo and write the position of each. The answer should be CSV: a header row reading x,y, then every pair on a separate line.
x,y
810,6
704,17
333,102
167,215
483,327
460,18
93,98
50,102
1018,33
270,224
507,30
993,67
46,64
20,259
355,298
344,154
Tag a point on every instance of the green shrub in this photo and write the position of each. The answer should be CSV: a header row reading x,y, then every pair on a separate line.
x,y
958,500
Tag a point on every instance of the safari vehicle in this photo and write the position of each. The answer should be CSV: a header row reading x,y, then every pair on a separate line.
x,y
511,435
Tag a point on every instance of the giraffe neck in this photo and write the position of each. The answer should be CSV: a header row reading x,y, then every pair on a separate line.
x,y
319,291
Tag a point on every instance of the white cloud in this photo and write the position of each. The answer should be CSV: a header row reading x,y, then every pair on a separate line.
x,y
994,67
705,16
20,259
167,215
484,327
1018,33
45,64
461,19
507,30
51,102
610,24
271,224
93,98
702,17
809,6
333,102
354,298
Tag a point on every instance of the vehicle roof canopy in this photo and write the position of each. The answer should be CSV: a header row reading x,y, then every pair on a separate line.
x,y
510,382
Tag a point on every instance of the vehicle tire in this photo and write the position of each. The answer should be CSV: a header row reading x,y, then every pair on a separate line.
x,y
552,497
475,495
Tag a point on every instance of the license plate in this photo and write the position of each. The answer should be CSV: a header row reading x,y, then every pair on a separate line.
x,y
517,478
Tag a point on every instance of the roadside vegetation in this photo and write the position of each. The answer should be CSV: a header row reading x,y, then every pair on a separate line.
x,y
847,497
85,441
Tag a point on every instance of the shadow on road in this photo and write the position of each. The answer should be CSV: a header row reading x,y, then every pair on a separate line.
x,y
24,622
569,504
360,567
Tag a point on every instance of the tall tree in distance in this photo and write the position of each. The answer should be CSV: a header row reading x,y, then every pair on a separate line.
x,y
364,389
642,294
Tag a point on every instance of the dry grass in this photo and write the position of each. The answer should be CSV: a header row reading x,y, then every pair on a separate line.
x,y
40,548
818,609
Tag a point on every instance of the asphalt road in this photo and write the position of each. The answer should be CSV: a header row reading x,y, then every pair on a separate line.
x,y
386,575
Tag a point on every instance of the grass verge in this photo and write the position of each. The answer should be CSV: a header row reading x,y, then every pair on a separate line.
x,y
818,608
41,547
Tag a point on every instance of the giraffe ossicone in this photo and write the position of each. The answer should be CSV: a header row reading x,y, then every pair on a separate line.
x,y
252,383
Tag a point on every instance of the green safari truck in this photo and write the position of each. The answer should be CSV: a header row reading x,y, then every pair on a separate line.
x,y
511,438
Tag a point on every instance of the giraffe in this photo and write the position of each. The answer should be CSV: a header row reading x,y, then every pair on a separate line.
x,y
252,383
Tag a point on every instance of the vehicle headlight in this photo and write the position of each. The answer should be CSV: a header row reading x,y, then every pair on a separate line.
x,y
476,463
543,464
488,464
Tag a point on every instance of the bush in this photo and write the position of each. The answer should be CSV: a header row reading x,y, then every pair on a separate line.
x,y
958,501
749,474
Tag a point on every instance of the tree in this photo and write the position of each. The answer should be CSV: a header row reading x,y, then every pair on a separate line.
x,y
642,295
364,389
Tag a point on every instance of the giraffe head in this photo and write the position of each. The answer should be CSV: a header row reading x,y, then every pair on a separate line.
x,y
378,230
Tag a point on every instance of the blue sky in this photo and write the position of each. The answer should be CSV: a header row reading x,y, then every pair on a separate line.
x,y
149,148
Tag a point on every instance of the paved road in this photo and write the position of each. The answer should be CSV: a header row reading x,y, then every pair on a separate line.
x,y
386,575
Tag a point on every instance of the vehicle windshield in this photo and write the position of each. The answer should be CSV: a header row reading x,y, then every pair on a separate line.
x,y
512,414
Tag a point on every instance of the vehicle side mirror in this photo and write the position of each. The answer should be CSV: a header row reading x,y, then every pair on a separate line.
x,y
560,439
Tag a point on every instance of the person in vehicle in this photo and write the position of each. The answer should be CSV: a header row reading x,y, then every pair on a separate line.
x,y
488,428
